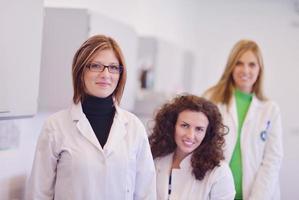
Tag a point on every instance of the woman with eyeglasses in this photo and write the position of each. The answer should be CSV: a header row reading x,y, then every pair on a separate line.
x,y
254,143
94,149
187,144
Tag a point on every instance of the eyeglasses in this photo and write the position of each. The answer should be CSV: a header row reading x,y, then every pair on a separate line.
x,y
98,67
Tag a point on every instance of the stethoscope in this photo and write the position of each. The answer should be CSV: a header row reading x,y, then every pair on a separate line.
x,y
263,134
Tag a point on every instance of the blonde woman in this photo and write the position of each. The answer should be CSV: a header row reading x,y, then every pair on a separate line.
x,y
254,142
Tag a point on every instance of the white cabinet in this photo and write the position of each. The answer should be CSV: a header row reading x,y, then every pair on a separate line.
x,y
65,29
173,67
168,69
20,52
63,33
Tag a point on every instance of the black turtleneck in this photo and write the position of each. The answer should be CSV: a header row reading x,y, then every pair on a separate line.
x,y
100,113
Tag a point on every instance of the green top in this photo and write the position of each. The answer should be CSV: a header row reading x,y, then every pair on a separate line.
x,y
243,101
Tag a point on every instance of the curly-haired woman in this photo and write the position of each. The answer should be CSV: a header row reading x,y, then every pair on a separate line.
x,y
186,143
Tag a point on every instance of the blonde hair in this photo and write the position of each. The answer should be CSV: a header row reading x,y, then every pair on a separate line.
x,y
85,54
223,90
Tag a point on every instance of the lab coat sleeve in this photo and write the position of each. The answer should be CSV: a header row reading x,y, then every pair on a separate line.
x,y
145,185
42,179
268,174
223,188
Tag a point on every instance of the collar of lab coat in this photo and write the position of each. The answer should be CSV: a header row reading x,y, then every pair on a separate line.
x,y
184,165
116,134
254,106
186,162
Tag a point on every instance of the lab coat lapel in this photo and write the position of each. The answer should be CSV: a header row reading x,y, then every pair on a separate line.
x,y
117,132
250,117
230,119
163,167
84,126
254,105
233,112
250,113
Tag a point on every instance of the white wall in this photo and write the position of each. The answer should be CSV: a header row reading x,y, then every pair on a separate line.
x,y
210,28
16,163
168,72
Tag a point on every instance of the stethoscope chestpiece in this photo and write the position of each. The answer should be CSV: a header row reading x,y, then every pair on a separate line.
x,y
263,134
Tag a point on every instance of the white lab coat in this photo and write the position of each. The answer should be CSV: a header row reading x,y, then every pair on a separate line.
x,y
70,163
218,184
261,159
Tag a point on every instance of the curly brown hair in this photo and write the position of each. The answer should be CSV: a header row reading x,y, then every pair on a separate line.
x,y
210,152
